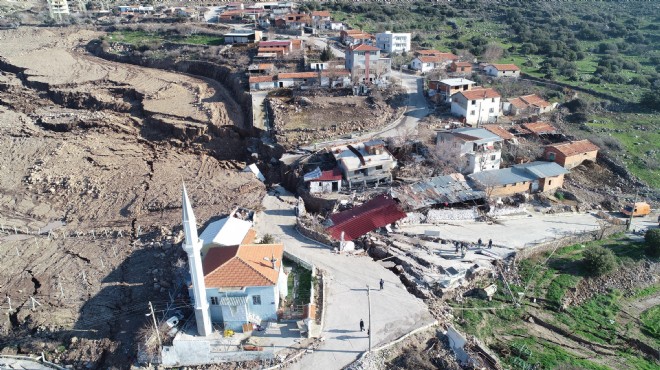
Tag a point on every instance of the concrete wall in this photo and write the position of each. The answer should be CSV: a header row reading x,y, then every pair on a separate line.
x,y
315,235
270,300
576,160
323,186
569,240
198,352
510,189
551,183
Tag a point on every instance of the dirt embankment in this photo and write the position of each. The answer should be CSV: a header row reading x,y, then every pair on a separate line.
x,y
94,153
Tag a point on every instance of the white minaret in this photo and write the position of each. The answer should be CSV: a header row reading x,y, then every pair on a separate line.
x,y
193,246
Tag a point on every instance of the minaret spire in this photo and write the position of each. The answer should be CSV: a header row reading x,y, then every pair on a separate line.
x,y
193,247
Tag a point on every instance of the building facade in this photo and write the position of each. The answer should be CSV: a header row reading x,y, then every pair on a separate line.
x,y
393,42
572,153
366,64
477,106
481,148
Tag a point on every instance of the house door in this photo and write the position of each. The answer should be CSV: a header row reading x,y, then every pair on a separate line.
x,y
335,186
534,186
281,84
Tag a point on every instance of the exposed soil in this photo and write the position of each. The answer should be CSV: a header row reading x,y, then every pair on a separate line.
x,y
94,153
318,116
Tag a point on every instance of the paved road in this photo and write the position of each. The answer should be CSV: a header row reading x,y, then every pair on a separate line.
x,y
416,109
321,43
395,312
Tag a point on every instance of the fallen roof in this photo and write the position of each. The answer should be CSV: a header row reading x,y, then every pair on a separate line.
x,y
243,265
500,131
540,127
437,190
477,94
570,148
226,231
378,212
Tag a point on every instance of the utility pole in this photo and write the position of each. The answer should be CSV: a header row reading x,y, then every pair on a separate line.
x,y
369,331
153,316
632,212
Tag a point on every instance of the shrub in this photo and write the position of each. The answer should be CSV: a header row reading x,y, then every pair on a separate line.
x,y
598,260
652,239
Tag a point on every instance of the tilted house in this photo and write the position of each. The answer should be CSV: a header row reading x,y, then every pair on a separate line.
x,y
571,153
477,105
530,177
353,223
481,148
324,181
365,163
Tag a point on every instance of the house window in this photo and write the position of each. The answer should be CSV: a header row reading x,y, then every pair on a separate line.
x,y
379,167
492,157
474,102
256,300
491,110
472,113
549,182
551,156
214,301
493,100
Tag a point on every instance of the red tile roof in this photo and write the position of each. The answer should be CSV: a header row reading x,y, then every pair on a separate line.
x,y
506,67
321,13
570,148
463,64
540,127
274,43
297,75
378,212
437,58
254,79
241,266
332,175
364,47
499,131
477,94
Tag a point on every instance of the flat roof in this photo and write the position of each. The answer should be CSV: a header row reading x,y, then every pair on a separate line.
x,y
226,231
351,161
456,81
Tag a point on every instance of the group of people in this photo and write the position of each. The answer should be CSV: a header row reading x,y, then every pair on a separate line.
x,y
463,246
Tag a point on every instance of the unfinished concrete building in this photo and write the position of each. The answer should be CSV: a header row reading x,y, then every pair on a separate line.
x,y
365,164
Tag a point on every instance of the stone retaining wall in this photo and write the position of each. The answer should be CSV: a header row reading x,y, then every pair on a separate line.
x,y
308,232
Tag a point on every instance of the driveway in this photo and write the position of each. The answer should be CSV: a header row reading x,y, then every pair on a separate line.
x,y
259,119
395,312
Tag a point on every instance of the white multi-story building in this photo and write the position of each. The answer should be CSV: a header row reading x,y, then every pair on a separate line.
x,y
477,106
481,148
58,7
393,42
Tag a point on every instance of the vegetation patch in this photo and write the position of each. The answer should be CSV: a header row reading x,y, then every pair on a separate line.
x,y
651,323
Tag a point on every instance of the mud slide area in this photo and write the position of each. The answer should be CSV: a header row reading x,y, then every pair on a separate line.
x,y
93,156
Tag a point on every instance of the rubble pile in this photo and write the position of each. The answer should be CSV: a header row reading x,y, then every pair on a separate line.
x,y
439,215
626,279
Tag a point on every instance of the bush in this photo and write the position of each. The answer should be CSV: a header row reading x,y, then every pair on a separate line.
x,y
652,239
598,260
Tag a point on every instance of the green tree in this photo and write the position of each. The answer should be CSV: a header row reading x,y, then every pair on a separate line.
x,y
652,239
651,99
267,239
598,260
326,54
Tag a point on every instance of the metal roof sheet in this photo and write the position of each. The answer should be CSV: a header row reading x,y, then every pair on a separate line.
x,y
437,190
233,301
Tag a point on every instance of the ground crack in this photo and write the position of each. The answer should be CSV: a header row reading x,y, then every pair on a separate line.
x,y
78,255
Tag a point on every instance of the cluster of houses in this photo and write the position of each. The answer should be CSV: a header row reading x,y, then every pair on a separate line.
x,y
478,157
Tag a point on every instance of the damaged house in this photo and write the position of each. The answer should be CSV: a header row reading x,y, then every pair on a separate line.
x,y
439,190
357,221
365,164
530,177
480,148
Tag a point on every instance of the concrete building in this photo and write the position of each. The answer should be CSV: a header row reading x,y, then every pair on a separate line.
x,y
242,36
356,37
365,163
58,7
572,153
319,18
366,64
481,148
324,181
393,42
448,87
530,177
477,106
460,67
502,70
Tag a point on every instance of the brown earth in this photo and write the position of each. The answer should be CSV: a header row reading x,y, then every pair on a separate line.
x,y
319,116
96,152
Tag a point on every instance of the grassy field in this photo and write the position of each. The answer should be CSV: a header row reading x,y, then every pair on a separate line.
x,y
139,38
600,320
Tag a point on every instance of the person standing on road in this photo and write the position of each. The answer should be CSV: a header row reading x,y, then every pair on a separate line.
x,y
382,284
490,243
361,325
479,242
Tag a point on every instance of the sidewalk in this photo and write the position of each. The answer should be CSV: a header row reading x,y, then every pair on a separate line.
x,y
395,312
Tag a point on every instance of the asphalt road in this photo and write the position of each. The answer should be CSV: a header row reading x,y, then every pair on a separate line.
x,y
395,312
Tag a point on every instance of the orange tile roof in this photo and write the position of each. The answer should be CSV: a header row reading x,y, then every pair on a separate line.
x,y
249,237
241,266
437,58
539,127
321,13
570,148
499,131
506,67
297,75
477,94
352,32
463,64
254,79
428,52
534,99
518,103
364,47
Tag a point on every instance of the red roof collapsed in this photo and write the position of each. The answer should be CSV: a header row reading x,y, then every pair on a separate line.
x,y
378,212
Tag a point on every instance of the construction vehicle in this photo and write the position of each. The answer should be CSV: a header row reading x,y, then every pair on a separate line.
x,y
638,209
